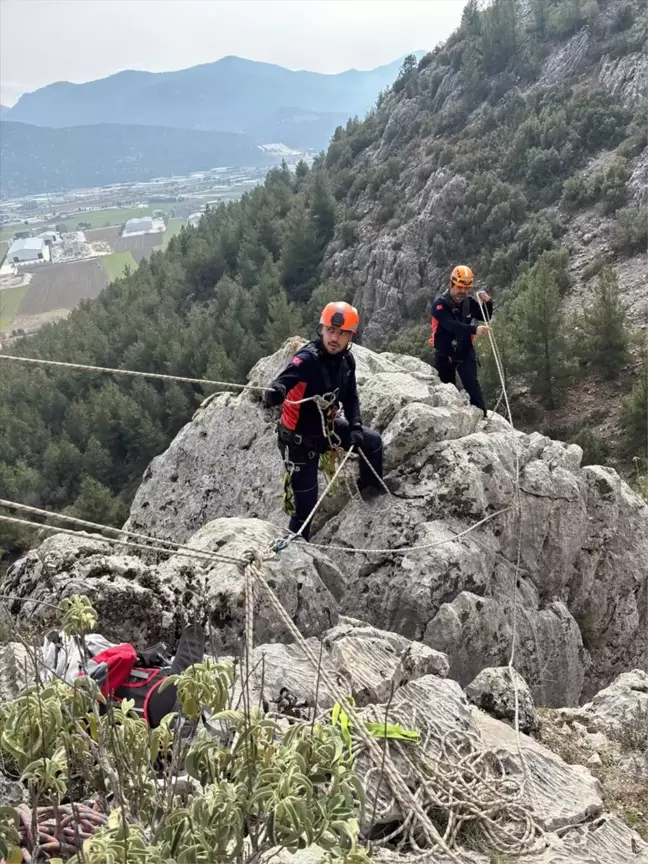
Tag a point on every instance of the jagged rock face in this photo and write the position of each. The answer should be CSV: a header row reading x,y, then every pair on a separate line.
x,y
146,603
626,77
560,571
582,534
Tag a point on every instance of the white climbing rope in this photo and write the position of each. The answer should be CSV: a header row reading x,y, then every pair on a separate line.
x,y
84,367
518,508
158,543
403,550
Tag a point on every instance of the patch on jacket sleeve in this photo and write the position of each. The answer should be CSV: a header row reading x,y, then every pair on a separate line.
x,y
439,306
297,361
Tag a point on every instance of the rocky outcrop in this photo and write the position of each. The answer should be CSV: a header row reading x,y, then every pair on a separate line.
x,y
565,555
397,681
581,533
146,603
626,77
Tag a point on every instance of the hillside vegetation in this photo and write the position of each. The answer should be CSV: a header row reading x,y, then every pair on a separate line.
x,y
490,151
38,159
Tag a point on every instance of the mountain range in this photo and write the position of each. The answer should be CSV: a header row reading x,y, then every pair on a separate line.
x,y
138,125
268,102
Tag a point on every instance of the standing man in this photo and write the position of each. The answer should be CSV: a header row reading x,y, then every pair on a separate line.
x,y
326,368
453,333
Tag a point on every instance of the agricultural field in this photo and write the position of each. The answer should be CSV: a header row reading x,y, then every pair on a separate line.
x,y
173,228
104,218
114,264
57,287
140,246
10,300
7,231
103,235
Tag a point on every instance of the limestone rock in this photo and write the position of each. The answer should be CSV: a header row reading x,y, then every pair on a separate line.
x,y
123,590
626,77
567,61
419,660
558,795
282,677
214,591
493,691
617,705
638,182
12,793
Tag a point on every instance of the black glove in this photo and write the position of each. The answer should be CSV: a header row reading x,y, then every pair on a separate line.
x,y
357,437
274,396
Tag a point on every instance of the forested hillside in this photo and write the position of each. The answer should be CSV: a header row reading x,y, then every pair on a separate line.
x,y
36,159
518,147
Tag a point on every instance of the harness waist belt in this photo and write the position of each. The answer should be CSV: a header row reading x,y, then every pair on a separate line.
x,y
289,436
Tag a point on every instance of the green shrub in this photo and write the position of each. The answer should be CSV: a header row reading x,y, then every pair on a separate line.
x,y
634,417
603,329
630,230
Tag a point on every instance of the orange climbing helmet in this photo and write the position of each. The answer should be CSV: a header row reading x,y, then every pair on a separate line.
x,y
342,315
462,276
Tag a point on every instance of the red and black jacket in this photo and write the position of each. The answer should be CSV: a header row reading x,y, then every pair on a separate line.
x,y
313,371
452,329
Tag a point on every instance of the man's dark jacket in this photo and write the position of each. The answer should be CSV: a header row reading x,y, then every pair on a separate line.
x,y
313,371
452,328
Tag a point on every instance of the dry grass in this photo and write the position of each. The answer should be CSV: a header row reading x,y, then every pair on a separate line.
x,y
623,794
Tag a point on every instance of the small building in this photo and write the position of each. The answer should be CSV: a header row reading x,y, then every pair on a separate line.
x,y
49,237
28,251
138,226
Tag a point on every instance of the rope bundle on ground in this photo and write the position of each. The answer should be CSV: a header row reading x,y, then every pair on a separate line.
x,y
465,788
61,830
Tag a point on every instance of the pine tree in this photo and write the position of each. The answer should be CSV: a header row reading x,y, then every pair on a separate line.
x,y
539,330
603,339
322,211
284,320
634,417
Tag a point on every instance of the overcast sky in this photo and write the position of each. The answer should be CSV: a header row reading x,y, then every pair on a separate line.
x,y
42,41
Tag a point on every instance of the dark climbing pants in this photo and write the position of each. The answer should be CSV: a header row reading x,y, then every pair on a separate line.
x,y
467,370
306,462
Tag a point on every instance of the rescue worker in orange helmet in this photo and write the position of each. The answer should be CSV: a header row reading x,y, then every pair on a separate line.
x,y
324,367
453,332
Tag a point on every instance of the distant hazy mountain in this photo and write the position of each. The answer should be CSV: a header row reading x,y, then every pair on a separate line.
x,y
234,95
36,159
3,110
